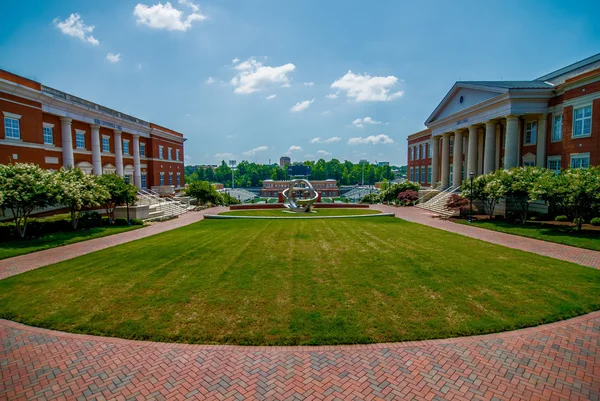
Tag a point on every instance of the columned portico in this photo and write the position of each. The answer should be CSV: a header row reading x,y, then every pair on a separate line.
x,y
457,159
472,154
137,173
435,161
445,161
118,153
490,147
511,144
96,155
541,142
67,142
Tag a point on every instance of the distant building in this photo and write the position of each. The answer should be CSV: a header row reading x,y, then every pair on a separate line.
x,y
218,186
271,189
380,164
284,160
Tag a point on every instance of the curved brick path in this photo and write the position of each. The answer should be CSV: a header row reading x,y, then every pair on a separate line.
x,y
585,257
555,361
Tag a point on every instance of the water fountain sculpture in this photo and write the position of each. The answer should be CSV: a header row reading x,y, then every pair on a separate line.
x,y
300,196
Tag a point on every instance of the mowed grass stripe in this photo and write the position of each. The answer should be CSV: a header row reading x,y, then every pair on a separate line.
x,y
300,282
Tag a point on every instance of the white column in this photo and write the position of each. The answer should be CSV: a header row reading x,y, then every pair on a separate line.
x,y
445,161
498,146
490,147
472,154
480,137
137,173
511,143
435,161
96,156
67,141
458,159
118,153
540,156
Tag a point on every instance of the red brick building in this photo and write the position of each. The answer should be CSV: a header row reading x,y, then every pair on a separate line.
x,y
53,129
481,126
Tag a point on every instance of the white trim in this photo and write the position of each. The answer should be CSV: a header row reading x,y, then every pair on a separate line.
x,y
525,132
12,115
20,104
574,121
80,151
585,155
80,131
20,143
48,125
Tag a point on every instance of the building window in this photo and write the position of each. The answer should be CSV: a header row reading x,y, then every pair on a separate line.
x,y
554,163
80,139
177,154
530,132
417,149
125,147
412,174
557,128
582,122
106,144
423,174
162,178
144,180
417,174
142,149
170,153
160,152
451,146
12,128
48,136
127,179
170,178
429,174
410,152
451,175
178,179
580,160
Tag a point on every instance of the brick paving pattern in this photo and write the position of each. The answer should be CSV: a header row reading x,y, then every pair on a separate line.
x,y
585,257
20,264
559,361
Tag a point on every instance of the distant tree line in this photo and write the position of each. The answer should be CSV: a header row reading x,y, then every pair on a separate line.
x,y
249,174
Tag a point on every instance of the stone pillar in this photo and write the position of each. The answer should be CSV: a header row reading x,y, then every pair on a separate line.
x,y
490,147
137,173
540,157
472,154
458,159
480,144
96,155
67,141
435,161
498,146
118,153
511,143
445,161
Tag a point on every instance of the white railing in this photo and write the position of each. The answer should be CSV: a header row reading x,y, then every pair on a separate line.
x,y
437,203
161,207
438,188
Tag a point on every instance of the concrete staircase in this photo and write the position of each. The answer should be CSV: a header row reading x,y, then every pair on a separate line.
x,y
438,202
162,207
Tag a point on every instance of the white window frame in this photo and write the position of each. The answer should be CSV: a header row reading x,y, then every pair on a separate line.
x,y
423,174
531,127
77,133
161,178
554,128
126,147
144,178
47,127
170,178
552,159
143,149
579,156
429,171
170,153
160,151
411,152
107,137
177,154
582,119
12,117
430,152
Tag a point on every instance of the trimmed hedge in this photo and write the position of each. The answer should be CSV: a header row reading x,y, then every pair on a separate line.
x,y
595,221
561,218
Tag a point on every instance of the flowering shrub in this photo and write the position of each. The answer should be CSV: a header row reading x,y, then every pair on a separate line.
x,y
458,203
408,198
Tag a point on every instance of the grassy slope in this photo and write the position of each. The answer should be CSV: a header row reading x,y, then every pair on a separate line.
x,y
315,213
20,247
559,234
300,282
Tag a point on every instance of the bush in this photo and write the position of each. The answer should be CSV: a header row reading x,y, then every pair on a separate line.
x,y
595,221
456,202
121,222
370,198
561,218
408,197
136,222
90,219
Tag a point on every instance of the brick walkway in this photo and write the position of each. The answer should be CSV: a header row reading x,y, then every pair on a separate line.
x,y
19,264
567,253
551,362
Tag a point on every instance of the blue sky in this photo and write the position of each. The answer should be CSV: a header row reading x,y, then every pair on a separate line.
x,y
209,69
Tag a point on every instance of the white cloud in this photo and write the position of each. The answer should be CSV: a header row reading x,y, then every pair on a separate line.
x,y
360,122
325,112
371,140
365,88
294,148
328,140
309,83
323,153
301,105
139,66
223,155
332,95
210,81
74,26
167,17
235,60
254,76
271,97
254,151
113,58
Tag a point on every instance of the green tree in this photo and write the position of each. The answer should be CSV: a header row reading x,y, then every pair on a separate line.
x,y
519,183
119,193
24,188
78,191
488,188
203,191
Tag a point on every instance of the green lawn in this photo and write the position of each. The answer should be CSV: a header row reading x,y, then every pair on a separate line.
x,y
300,282
560,234
316,212
9,249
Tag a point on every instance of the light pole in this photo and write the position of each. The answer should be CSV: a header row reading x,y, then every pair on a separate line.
x,y
471,174
232,164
